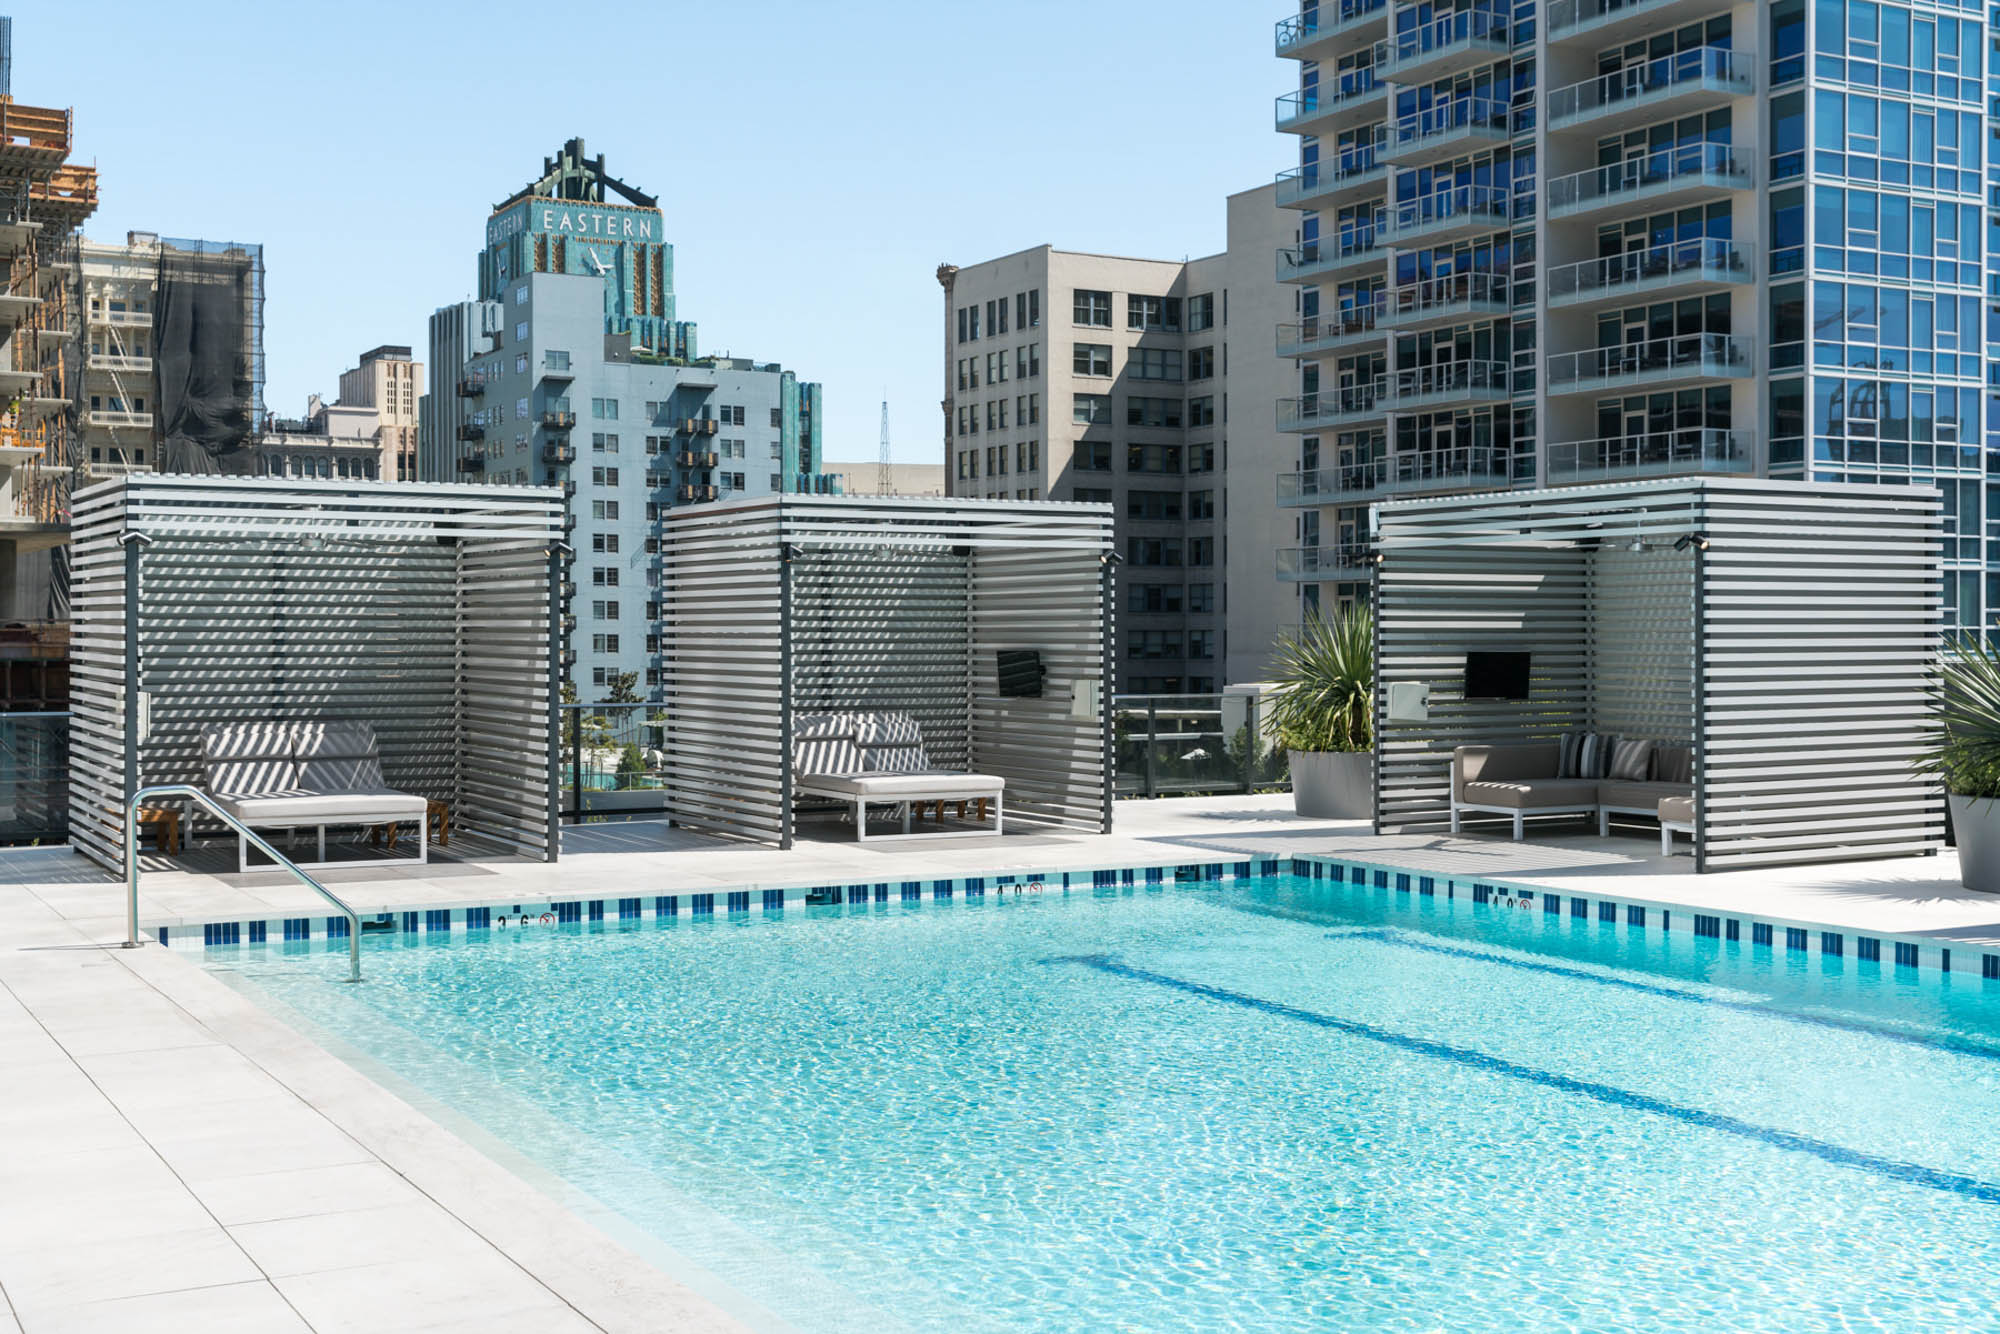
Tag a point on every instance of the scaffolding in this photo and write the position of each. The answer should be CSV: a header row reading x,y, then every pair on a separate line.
x,y
208,350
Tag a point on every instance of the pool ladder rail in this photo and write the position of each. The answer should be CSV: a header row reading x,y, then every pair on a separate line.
x,y
195,794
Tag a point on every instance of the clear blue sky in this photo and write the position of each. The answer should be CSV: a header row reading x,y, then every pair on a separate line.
x,y
816,161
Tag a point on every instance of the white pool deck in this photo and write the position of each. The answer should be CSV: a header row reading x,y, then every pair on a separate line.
x,y
173,1158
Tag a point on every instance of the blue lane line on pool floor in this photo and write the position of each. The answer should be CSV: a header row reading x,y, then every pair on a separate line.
x,y
1914,1174
1957,1046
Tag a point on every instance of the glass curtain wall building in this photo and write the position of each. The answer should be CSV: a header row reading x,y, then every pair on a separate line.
x,y
1549,244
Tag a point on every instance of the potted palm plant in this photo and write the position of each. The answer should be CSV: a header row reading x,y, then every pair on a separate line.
x,y
1965,754
1324,712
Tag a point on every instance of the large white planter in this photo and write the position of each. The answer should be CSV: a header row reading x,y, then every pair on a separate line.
x,y
1333,785
1975,824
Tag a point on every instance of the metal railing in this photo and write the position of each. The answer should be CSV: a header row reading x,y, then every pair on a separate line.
x,y
1344,560
195,794
1308,410
1696,65
1330,95
1352,163
1295,339
1326,17
1183,745
1350,244
614,762
1446,32
1446,118
1482,204
34,777
1412,470
1661,168
1678,357
1654,453
1449,290
1450,379
1711,256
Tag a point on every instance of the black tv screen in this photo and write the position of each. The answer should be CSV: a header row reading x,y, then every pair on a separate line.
x,y
1021,672
1496,675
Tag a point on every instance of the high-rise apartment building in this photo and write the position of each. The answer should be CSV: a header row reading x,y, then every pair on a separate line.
x,y
1086,377
573,369
174,354
387,385
1551,244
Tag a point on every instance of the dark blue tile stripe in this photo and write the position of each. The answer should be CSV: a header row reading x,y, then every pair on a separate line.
x,y
1913,1174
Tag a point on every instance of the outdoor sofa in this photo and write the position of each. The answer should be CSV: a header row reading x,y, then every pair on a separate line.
x,y
1578,775
301,775
878,759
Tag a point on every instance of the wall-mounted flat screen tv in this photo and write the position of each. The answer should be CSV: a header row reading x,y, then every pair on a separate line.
x,y
1490,675
1021,673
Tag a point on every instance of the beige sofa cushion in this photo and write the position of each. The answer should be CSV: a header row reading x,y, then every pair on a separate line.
x,y
1473,764
1677,810
1537,794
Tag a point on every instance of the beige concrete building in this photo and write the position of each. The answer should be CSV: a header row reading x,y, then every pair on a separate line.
x,y
118,285
905,479
382,393
1074,376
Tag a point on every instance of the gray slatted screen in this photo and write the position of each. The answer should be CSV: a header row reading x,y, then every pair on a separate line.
x,y
894,604
1795,652
421,610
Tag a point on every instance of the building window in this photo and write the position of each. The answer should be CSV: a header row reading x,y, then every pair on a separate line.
x,y
1090,495
604,477
1093,308
1201,597
1153,551
1153,458
1154,506
1091,359
1201,363
1090,409
1153,598
1153,312
1028,456
1201,312
604,576
1201,643
1201,458
604,644
604,509
604,542
1154,363
1153,644
1201,411
1155,412
1091,456
1201,505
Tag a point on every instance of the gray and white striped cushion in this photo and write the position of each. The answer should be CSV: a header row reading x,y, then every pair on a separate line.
x,y
1631,760
1593,757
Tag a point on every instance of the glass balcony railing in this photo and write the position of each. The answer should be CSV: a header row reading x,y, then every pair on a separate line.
x,y
1309,104
1702,259
1332,407
1298,31
1466,34
1347,560
1687,165
1354,247
1346,326
1448,122
1168,745
1355,165
1412,471
1448,295
1652,81
1574,18
1650,454
34,777
1454,381
1684,357
1462,207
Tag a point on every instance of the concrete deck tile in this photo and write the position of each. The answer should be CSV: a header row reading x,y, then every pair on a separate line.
x,y
232,1308
269,1196
50,1277
249,1141
415,1294
349,1240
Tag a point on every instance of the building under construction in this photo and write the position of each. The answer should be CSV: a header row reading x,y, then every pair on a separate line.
x,y
44,198
174,357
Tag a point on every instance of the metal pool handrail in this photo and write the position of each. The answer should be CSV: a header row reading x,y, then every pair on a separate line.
x,y
132,941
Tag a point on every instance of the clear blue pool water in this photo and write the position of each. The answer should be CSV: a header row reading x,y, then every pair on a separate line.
x,y
1280,1105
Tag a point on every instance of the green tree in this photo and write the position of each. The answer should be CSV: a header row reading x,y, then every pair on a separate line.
x,y
631,767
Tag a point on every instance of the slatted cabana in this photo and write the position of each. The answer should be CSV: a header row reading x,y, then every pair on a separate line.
x,y
426,611
1787,631
794,604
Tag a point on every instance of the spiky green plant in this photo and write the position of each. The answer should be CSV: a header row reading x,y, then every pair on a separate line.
x,y
1325,700
1965,747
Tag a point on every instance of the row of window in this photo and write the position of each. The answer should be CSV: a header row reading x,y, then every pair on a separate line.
x,y
1167,644
1026,364
1169,599
1094,456
1027,458
1027,412
1170,551
1027,311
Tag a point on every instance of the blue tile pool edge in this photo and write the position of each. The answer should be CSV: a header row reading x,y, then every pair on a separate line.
x,y
1624,912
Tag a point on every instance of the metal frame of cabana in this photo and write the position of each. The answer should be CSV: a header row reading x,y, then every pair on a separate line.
x,y
783,605
1788,631
430,612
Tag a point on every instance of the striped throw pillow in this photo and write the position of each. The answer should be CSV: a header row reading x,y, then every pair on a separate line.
x,y
1631,760
1593,758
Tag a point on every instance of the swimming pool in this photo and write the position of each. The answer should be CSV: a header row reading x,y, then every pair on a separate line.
x,y
1277,1104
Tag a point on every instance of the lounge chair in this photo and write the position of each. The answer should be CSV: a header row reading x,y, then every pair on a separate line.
x,y
1520,780
878,759
302,776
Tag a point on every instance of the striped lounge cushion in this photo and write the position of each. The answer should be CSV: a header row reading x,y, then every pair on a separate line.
x,y
1585,754
1631,760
